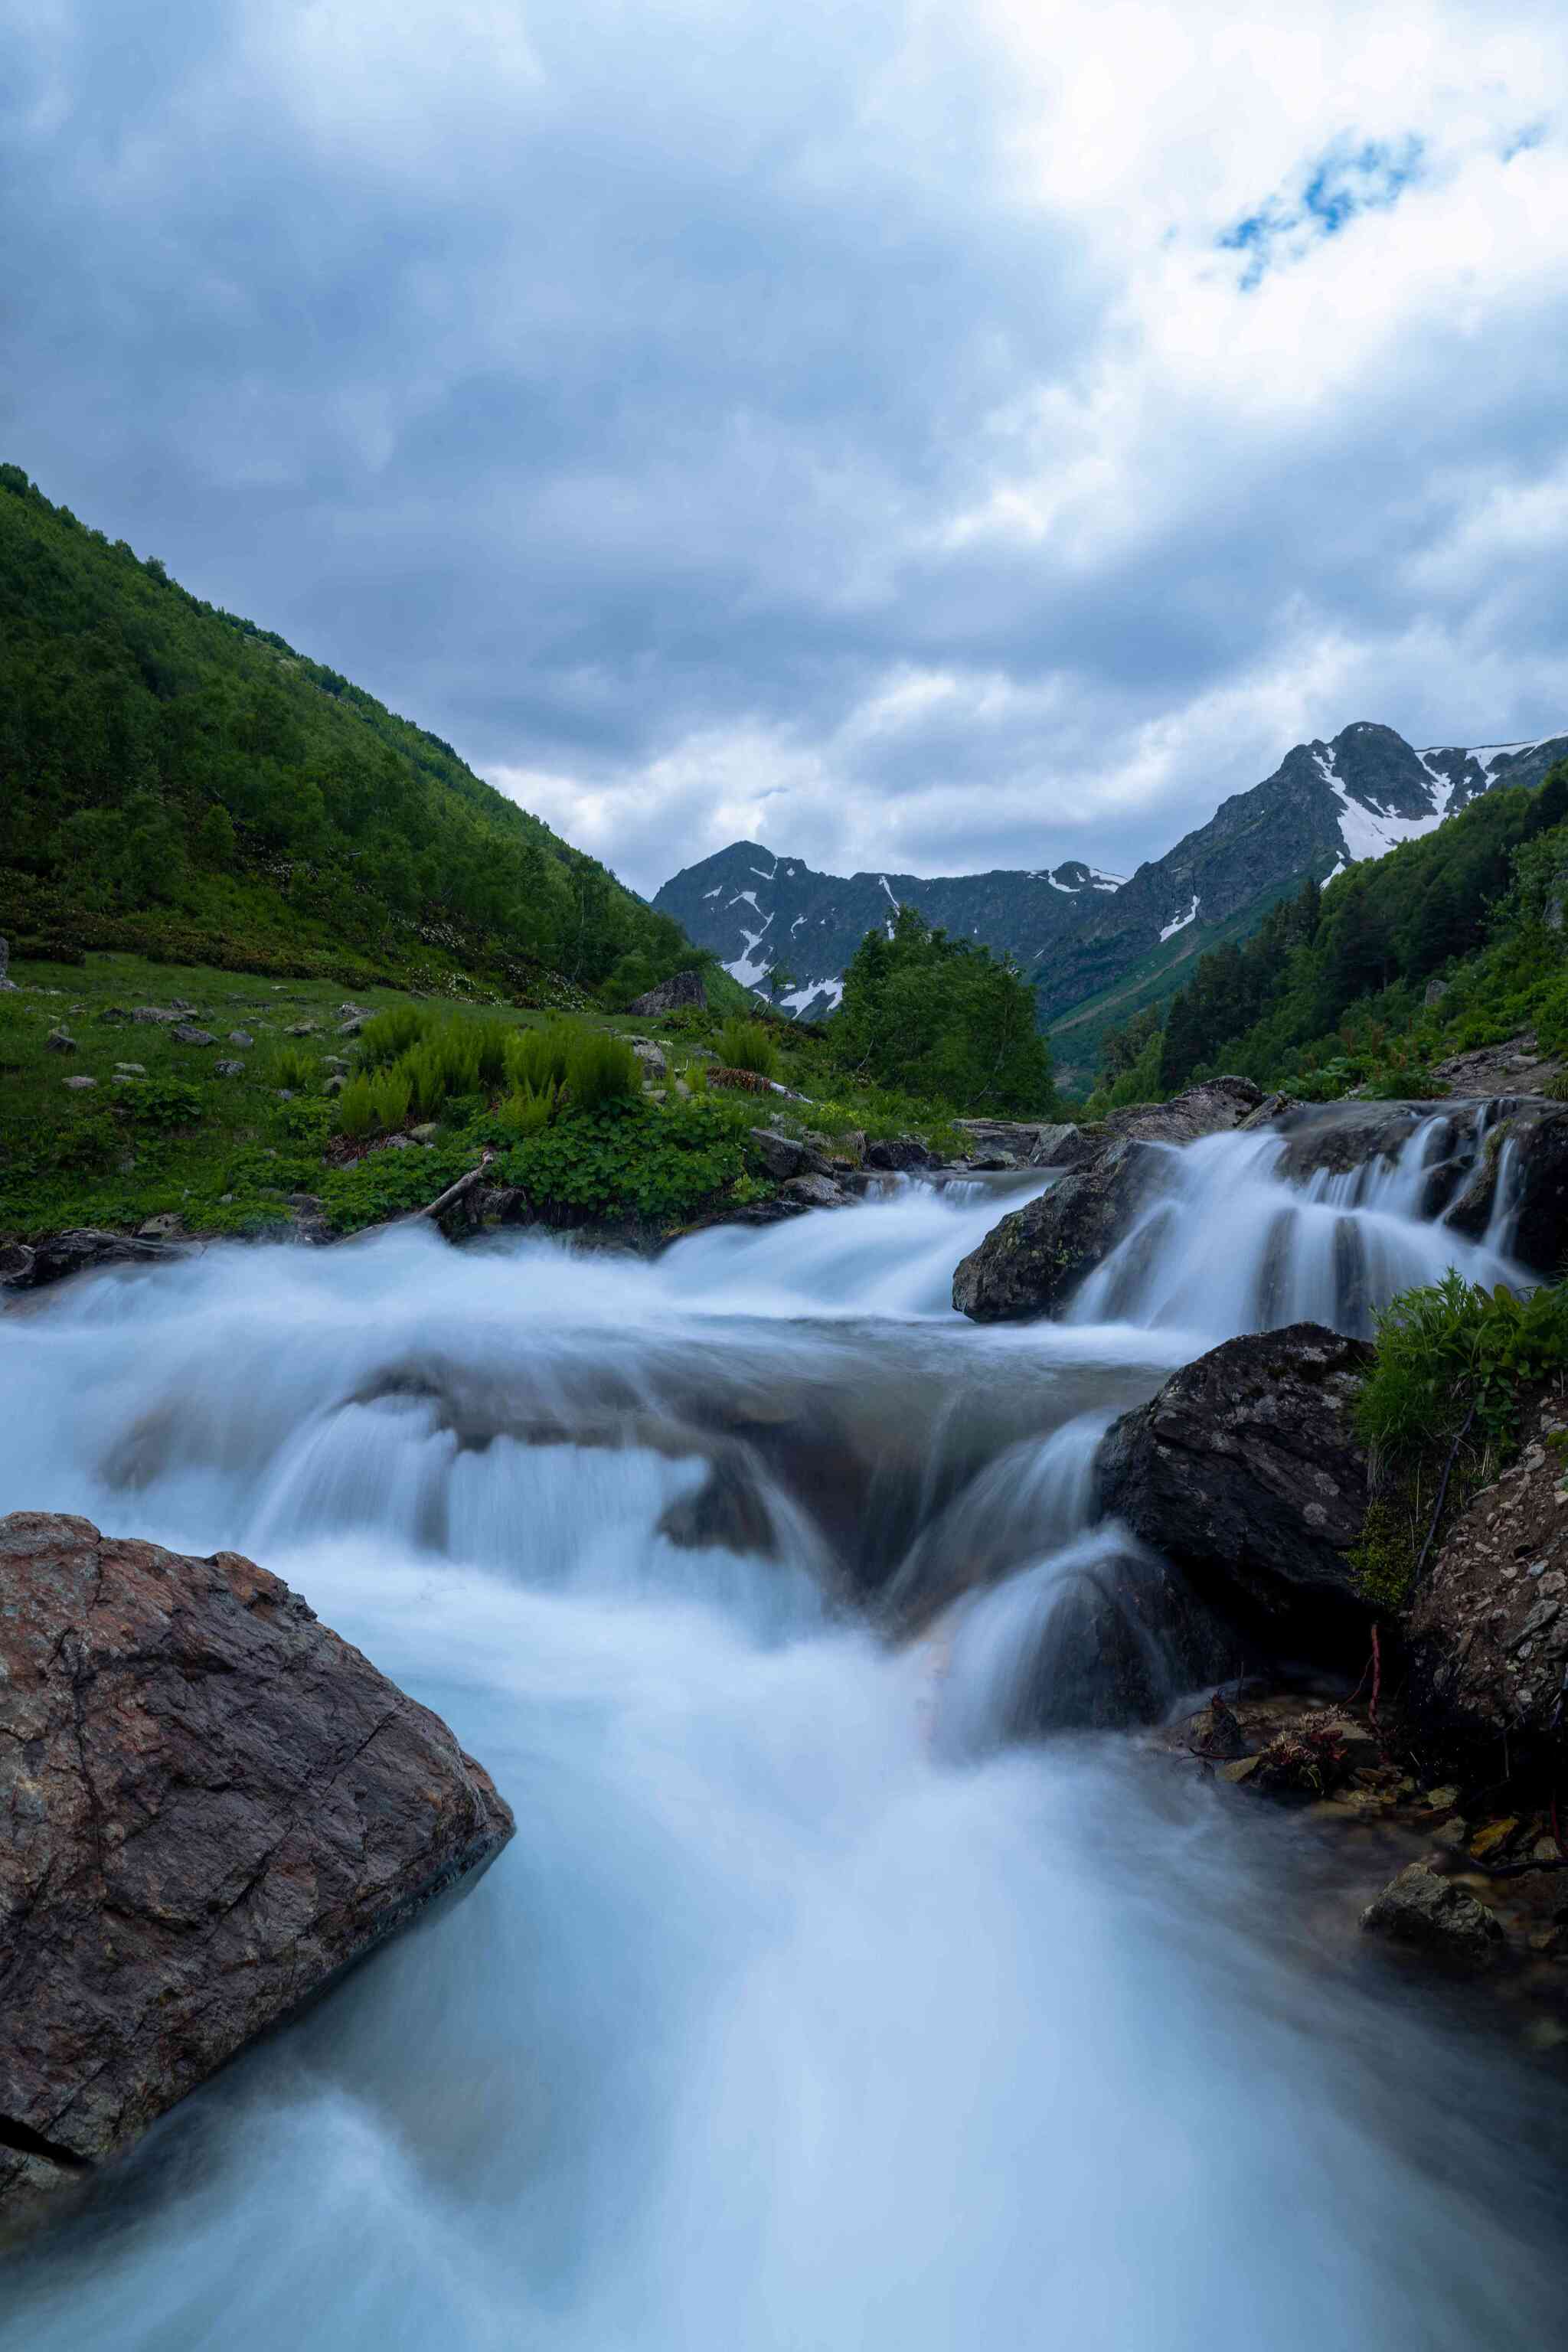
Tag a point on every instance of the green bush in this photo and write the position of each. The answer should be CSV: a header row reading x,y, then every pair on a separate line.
x,y
632,1159
291,1067
165,1102
538,1057
356,1108
601,1071
392,1092
388,1034
528,1110
746,1046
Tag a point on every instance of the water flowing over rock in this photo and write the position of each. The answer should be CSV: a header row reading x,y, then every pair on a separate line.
x,y
1245,1471
1035,1259
214,1804
1436,1916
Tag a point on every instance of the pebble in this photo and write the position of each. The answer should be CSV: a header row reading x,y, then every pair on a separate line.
x,y
79,1083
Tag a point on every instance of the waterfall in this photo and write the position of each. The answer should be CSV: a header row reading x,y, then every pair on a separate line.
x,y
807,2008
1226,1245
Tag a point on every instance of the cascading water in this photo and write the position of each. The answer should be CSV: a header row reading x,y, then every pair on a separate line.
x,y
798,2013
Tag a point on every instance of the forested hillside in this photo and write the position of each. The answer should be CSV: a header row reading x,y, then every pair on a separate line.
x,y
176,781
1450,941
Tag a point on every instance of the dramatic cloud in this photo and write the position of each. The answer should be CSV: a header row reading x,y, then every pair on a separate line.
x,y
921,438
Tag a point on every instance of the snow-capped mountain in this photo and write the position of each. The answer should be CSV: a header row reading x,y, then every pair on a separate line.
x,y
1076,929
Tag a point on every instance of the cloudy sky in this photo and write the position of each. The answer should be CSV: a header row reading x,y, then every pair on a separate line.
x,y
930,437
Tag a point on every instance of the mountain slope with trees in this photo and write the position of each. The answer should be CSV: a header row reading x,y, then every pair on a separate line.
x,y
179,781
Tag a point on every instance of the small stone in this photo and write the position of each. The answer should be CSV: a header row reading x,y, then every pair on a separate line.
x,y
1240,1768
79,1084
1451,1836
1446,1796
335,1082
130,1069
184,1034
60,1041
229,1069
240,1037
1495,1835
427,1132
162,1227
1437,1914
182,1004
336,1062
300,1029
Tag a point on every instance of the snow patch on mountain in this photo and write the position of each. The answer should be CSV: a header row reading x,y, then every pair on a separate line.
x,y
1180,921
1368,831
799,998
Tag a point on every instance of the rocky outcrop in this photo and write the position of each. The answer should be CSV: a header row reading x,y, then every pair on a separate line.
x,y
895,1154
1437,1915
212,1805
784,1156
1488,1626
1526,1150
1246,1472
685,988
1033,1261
24,1268
1517,1066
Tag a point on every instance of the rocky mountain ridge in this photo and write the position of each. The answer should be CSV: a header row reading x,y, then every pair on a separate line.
x,y
1078,929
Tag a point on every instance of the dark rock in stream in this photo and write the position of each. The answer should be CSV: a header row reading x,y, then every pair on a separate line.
x,y
1127,1636
1032,1262
214,1805
1246,1472
74,1252
1437,1915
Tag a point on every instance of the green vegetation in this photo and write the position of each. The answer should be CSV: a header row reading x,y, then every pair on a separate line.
x,y
746,1046
1439,1409
180,783
942,1020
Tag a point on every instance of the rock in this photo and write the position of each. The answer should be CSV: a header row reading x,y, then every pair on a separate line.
x,y
1486,1071
6,979
817,1192
898,1153
300,1029
336,1062
16,1263
1333,1138
78,1249
1125,1636
1013,1140
162,1227
685,988
1436,1914
784,1157
60,1041
182,1004
1244,1471
154,1012
1032,1262
184,1034
352,1025
649,1055
1059,1147
130,1069
334,1083
79,1085
240,1037
1489,1625
229,1069
1435,990
427,1132
214,1805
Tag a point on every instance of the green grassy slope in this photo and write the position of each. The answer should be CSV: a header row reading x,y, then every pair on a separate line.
x,y
180,784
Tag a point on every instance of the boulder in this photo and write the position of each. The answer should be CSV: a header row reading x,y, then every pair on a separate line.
x,y
1032,1262
78,1249
214,1805
60,1041
649,1054
1246,1472
784,1156
1333,1139
1437,1915
1126,1636
817,1192
229,1069
897,1153
1489,1625
685,988
185,1034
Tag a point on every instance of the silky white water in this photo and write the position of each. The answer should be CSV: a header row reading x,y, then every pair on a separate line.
x,y
801,2015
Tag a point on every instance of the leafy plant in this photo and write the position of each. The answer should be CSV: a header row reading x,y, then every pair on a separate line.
x,y
292,1068
392,1092
746,1046
165,1102
601,1071
632,1159
527,1110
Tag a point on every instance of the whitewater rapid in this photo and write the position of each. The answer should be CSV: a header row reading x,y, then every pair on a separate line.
x,y
804,2013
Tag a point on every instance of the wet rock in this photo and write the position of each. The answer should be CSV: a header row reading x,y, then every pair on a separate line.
x,y
1032,1262
214,1805
1246,1472
1489,1625
896,1154
1437,1916
16,1264
184,1033
1126,1636
80,1249
684,988
784,1157
817,1192
1059,1147
1009,1142
1333,1139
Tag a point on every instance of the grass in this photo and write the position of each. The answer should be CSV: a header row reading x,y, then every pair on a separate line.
x,y
226,1153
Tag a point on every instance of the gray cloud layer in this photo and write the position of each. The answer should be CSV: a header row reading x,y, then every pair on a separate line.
x,y
842,427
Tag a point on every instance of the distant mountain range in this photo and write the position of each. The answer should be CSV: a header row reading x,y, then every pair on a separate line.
x,y
1097,945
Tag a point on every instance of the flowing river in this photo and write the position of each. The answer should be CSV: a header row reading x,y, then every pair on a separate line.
x,y
808,2011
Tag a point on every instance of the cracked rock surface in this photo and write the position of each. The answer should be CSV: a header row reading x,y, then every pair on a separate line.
x,y
211,1805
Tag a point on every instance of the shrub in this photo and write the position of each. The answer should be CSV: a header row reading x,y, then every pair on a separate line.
x,y
291,1067
538,1057
746,1046
527,1110
390,1034
634,1160
356,1107
392,1092
601,1070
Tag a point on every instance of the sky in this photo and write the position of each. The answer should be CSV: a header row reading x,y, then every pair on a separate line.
x,y
915,437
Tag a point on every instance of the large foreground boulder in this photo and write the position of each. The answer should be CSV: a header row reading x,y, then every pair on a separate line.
x,y
1246,1472
1489,1625
212,1805
1033,1261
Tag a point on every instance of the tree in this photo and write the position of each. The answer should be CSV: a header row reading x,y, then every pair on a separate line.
x,y
941,1018
781,981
